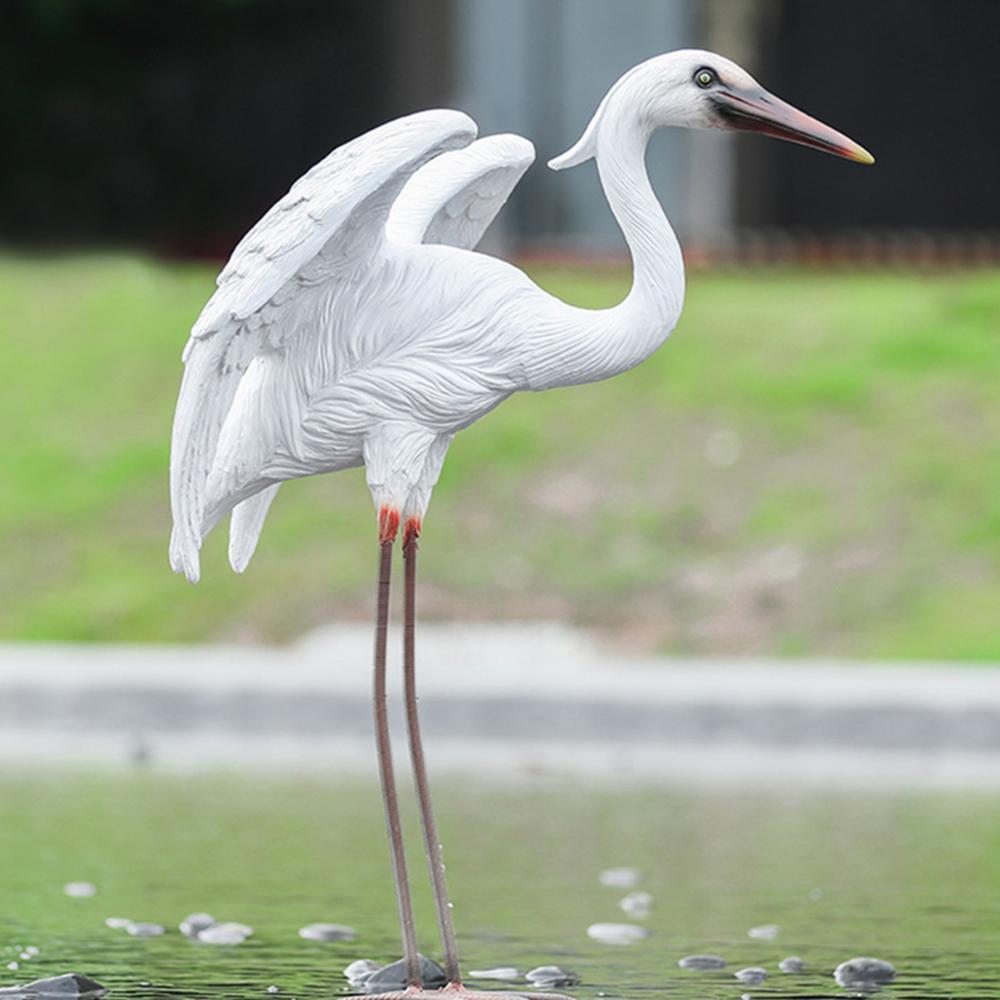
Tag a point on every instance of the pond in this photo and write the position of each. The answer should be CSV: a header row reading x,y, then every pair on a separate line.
x,y
913,879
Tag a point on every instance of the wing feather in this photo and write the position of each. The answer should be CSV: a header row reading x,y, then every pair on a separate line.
x,y
337,211
345,198
454,198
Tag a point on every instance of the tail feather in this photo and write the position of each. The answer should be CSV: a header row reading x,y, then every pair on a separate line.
x,y
245,526
184,554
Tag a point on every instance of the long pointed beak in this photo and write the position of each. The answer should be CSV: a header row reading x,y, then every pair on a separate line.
x,y
759,111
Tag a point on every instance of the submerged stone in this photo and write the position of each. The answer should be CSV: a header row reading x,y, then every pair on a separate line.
x,y
80,889
327,932
274,989
620,878
504,972
194,923
228,933
752,975
637,904
792,964
359,971
766,932
864,973
702,962
142,928
117,923
65,987
393,976
548,976
617,933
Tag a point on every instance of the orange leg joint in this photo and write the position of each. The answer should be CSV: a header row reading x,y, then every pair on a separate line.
x,y
411,532
388,525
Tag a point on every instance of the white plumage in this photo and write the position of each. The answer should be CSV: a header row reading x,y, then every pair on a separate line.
x,y
354,325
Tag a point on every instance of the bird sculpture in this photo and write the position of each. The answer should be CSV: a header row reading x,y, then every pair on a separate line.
x,y
354,325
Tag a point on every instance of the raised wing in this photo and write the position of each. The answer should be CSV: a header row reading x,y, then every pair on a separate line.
x,y
337,211
453,198
346,197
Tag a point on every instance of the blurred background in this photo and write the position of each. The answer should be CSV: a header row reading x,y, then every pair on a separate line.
x,y
809,467
690,585
172,126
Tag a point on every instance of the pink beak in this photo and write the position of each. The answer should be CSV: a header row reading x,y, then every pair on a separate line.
x,y
759,111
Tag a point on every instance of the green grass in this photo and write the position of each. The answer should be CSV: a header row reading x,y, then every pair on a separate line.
x,y
853,506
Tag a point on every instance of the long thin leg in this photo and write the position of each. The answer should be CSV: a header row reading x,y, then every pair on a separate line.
x,y
410,955
432,842
414,991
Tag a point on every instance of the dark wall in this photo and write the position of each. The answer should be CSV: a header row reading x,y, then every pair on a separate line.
x,y
917,83
178,123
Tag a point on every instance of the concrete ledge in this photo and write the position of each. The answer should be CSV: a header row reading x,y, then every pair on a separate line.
x,y
510,697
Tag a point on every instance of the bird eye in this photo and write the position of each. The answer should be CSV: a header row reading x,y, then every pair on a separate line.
x,y
705,77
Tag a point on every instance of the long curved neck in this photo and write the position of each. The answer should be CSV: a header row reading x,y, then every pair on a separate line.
x,y
657,293
590,345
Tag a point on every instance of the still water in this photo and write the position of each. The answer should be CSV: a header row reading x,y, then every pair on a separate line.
x,y
913,879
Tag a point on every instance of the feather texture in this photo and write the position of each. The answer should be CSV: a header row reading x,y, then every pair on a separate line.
x,y
454,198
338,211
353,325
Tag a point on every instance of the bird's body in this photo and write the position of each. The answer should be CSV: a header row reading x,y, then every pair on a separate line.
x,y
374,347
423,366
355,325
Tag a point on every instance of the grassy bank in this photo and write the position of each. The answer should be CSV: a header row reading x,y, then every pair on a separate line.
x,y
811,465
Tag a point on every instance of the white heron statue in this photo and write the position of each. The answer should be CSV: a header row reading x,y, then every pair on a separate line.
x,y
355,325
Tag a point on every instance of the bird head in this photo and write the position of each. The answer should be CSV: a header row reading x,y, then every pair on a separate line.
x,y
692,88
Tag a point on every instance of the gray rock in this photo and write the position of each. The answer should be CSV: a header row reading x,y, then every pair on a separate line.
x,y
327,932
228,933
864,973
392,977
194,923
80,889
637,904
702,962
620,878
549,976
65,987
752,975
617,933
360,970
792,964
507,973
141,928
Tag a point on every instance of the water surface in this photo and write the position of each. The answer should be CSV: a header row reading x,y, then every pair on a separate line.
x,y
914,879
